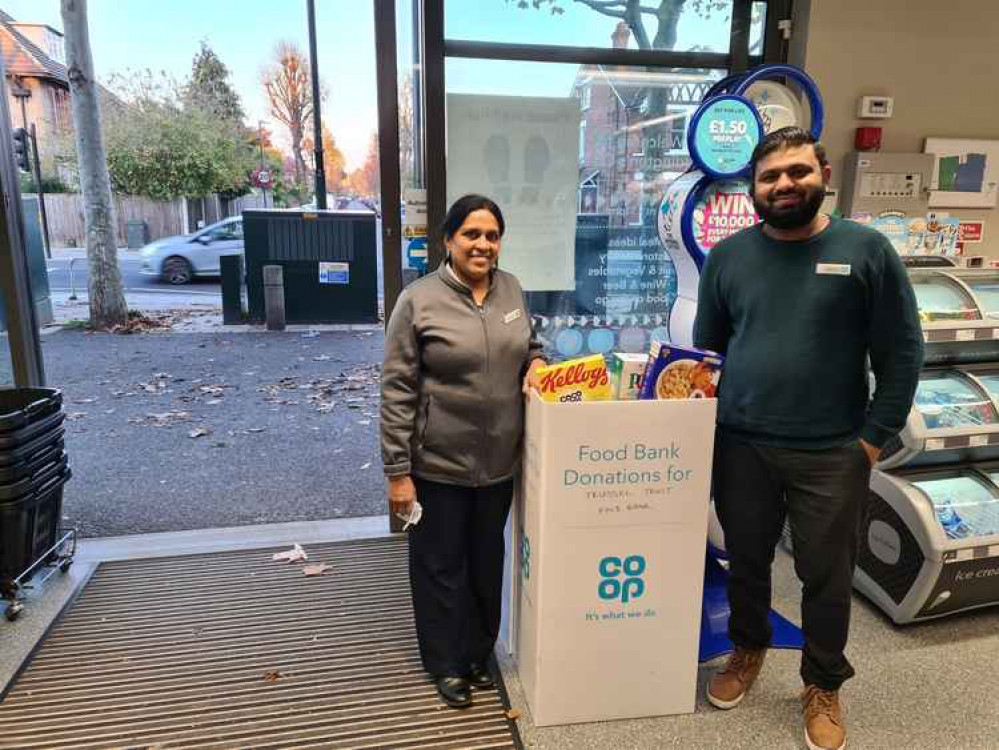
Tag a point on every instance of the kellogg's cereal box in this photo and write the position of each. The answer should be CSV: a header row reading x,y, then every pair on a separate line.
x,y
626,375
681,372
584,379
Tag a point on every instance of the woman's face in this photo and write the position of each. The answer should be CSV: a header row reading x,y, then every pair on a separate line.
x,y
475,247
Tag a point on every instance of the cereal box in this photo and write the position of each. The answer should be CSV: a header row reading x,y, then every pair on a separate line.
x,y
584,379
681,372
626,375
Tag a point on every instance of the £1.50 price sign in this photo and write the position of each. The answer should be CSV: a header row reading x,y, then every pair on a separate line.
x,y
723,134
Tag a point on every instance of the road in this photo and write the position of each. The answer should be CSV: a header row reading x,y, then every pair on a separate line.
x,y
134,281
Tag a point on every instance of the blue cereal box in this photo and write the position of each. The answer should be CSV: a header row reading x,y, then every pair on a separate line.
x,y
681,372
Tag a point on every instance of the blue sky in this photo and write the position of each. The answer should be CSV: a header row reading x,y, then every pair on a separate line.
x,y
165,34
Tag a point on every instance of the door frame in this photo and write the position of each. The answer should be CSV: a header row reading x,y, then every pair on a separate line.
x,y
22,319
437,48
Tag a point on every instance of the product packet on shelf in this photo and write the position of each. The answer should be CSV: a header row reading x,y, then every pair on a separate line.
x,y
584,379
681,372
626,371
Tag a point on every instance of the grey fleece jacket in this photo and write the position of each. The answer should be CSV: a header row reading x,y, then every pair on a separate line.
x,y
452,408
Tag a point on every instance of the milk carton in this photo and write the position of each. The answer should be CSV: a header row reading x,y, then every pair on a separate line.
x,y
626,372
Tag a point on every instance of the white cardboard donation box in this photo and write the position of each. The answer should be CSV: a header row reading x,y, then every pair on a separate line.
x,y
610,542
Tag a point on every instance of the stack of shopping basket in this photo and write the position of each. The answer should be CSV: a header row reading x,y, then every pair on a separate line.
x,y
33,472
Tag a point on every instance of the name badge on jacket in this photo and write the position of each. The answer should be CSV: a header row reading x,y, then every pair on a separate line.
x,y
833,269
512,316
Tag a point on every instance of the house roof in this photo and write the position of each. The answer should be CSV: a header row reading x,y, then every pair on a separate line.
x,y
22,57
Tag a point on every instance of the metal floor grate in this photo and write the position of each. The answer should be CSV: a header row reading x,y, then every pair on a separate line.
x,y
234,650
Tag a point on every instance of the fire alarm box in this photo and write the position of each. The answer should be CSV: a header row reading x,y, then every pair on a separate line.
x,y
867,139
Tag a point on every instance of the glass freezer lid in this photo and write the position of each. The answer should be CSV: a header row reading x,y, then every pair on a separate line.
x,y
948,399
991,382
964,505
941,298
987,291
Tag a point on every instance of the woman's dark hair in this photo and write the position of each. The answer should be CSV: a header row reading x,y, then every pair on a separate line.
x,y
465,205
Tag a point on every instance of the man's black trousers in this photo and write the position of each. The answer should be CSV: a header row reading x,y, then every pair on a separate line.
x,y
823,494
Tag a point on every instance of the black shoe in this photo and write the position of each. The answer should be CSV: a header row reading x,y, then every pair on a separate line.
x,y
455,691
480,677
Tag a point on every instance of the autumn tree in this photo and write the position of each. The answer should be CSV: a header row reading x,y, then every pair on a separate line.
x,y
209,90
407,146
333,159
364,180
288,85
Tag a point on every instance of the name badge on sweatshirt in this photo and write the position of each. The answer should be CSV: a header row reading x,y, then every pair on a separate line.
x,y
512,316
832,269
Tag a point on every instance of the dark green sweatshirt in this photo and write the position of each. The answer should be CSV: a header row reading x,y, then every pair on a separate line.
x,y
797,322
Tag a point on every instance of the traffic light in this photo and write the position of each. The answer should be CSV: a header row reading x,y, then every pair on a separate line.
x,y
21,149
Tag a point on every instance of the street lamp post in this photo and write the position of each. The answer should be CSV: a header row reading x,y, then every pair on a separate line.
x,y
317,136
261,173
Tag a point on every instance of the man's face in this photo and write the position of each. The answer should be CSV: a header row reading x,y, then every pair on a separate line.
x,y
789,186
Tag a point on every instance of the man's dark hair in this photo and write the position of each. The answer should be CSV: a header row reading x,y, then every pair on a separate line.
x,y
465,205
789,137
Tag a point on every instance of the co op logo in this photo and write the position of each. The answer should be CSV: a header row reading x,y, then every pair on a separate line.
x,y
621,580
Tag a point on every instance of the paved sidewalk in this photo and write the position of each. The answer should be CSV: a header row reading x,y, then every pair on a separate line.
x,y
284,427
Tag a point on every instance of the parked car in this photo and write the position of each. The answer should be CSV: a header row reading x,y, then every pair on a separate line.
x,y
179,259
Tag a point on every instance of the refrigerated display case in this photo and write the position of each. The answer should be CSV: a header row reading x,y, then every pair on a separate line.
x,y
984,285
953,418
956,328
930,545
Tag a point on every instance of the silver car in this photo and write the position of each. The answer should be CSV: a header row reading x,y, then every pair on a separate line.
x,y
179,259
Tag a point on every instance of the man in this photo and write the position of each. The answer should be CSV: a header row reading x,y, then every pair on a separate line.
x,y
798,304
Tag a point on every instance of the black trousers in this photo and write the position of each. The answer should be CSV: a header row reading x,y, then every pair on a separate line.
x,y
456,573
823,494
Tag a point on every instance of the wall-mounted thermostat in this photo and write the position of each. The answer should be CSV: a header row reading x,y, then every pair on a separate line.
x,y
875,107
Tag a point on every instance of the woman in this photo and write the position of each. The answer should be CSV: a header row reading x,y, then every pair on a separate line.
x,y
459,353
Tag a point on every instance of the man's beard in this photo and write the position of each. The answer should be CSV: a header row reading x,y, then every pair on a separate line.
x,y
792,217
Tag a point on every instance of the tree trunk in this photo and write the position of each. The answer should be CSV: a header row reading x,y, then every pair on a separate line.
x,y
107,299
668,16
296,149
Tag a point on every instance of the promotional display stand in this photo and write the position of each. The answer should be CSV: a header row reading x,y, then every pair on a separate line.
x,y
609,542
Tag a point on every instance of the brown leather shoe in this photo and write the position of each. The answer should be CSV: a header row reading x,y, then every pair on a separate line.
x,y
824,728
727,688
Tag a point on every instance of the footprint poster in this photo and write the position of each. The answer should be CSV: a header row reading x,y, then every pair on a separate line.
x,y
521,152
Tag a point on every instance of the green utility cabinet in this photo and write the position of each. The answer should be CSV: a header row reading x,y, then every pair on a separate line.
x,y
329,262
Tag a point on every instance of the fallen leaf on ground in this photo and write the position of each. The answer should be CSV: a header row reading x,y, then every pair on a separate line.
x,y
295,554
317,569
162,419
272,676
513,714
